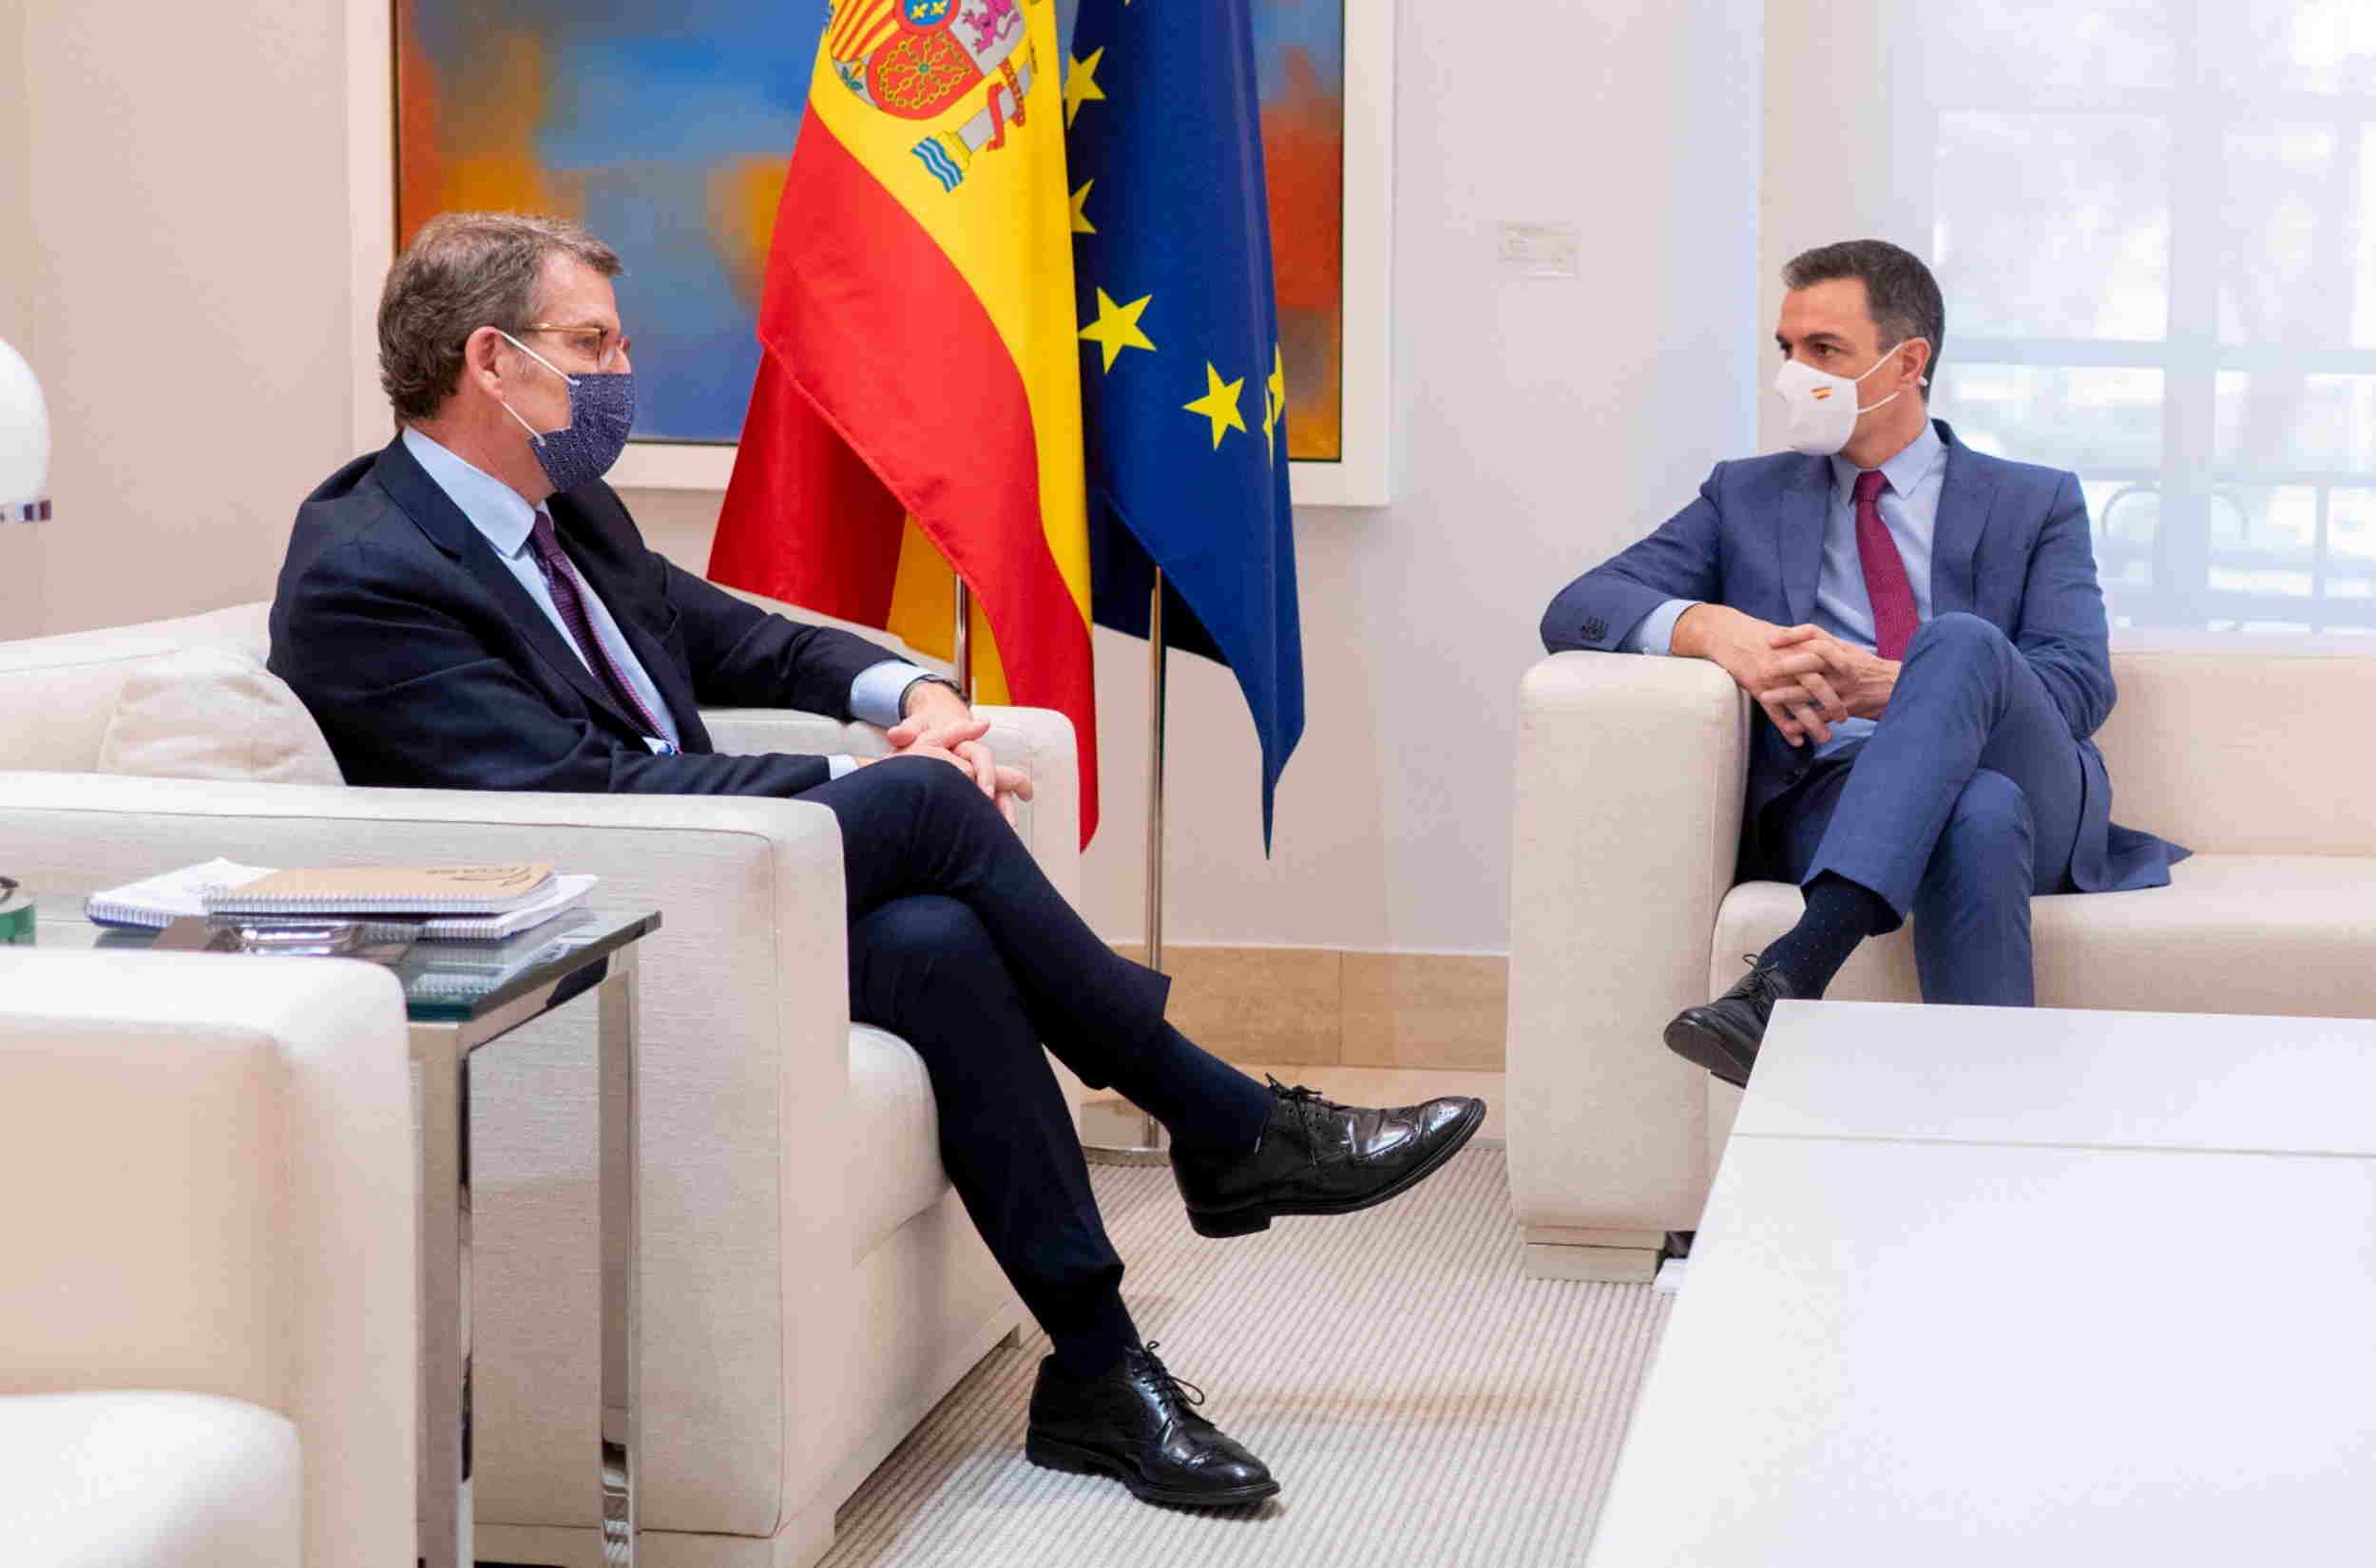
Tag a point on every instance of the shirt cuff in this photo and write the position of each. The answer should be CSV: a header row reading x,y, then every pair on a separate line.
x,y
838,766
875,695
1654,633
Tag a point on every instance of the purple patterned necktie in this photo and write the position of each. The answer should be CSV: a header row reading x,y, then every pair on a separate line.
x,y
561,576
1894,618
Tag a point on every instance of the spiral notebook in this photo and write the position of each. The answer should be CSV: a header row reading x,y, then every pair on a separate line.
x,y
156,902
483,890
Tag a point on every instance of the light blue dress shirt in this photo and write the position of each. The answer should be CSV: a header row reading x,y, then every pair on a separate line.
x,y
1909,509
503,518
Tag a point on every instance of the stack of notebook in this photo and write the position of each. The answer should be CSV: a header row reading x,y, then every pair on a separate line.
x,y
483,903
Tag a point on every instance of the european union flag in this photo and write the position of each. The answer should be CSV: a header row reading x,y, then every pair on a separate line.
x,y
1183,394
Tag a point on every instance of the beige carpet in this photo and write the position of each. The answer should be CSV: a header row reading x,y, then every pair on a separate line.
x,y
1421,1401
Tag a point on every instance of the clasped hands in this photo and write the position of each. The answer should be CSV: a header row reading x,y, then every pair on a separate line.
x,y
940,725
1804,678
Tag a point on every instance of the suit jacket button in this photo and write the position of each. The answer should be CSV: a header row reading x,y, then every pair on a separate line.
x,y
1595,629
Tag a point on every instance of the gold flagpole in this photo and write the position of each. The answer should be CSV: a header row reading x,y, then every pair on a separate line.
x,y
961,650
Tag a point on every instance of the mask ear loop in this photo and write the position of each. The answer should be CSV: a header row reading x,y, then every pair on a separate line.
x,y
1921,381
570,381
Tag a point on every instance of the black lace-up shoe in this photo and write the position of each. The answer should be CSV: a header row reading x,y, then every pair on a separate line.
x,y
1723,1035
1136,1422
1320,1157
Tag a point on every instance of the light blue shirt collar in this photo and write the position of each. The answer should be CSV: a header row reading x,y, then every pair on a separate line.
x,y
1904,471
499,512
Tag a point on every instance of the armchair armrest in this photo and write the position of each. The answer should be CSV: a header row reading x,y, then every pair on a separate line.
x,y
1037,740
1629,781
224,1170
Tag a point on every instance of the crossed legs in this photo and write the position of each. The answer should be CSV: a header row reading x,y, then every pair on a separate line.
x,y
959,945
1964,803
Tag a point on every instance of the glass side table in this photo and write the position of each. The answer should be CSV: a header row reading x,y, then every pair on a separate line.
x,y
459,997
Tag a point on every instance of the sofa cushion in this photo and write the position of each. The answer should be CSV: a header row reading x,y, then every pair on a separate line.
x,y
2281,935
213,712
894,1132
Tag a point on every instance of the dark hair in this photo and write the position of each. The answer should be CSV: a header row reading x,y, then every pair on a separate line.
x,y
1903,296
463,271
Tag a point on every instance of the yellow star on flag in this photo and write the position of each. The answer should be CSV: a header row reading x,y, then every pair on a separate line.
x,y
1116,326
1274,399
1081,223
1218,404
1080,84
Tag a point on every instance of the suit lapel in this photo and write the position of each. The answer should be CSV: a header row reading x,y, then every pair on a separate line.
x,y
434,512
1805,512
1964,493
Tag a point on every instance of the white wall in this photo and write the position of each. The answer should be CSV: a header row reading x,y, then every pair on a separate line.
x,y
187,289
189,165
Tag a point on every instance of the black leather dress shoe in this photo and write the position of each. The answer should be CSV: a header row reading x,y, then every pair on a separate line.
x,y
1723,1035
1320,1157
1136,1422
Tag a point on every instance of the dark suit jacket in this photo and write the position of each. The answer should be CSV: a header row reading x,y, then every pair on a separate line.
x,y
2011,546
427,663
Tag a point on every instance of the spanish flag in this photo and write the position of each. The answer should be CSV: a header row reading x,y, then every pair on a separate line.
x,y
918,402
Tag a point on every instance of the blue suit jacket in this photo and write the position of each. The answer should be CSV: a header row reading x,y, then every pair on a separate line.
x,y
426,663
2011,546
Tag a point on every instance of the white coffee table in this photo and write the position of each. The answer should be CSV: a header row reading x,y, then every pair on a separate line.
x,y
1985,1287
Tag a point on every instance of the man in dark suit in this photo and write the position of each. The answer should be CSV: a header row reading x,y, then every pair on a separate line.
x,y
472,608
1921,626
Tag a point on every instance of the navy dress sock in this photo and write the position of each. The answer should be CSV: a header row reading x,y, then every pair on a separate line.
x,y
1840,914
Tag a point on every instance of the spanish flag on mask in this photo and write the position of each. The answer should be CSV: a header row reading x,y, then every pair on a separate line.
x,y
918,402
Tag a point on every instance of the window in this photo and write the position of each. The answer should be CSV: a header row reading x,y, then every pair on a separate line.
x,y
2154,221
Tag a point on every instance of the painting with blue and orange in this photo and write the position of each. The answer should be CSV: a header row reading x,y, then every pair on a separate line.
x,y
666,127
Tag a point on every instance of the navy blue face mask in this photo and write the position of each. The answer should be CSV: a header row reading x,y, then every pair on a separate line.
x,y
601,412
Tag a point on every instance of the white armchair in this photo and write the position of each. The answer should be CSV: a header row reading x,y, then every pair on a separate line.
x,y
206,1334
811,1285
1623,909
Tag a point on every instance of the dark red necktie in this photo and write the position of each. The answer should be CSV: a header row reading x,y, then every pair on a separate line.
x,y
1892,595
561,576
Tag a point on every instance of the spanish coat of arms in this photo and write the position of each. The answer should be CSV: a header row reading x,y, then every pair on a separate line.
x,y
919,59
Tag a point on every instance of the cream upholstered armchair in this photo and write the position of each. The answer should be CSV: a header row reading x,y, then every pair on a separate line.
x,y
811,1285
206,1334
1623,907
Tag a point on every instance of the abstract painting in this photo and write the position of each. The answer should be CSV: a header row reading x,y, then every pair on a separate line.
x,y
665,126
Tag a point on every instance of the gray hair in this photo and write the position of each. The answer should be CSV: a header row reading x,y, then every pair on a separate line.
x,y
463,271
1903,296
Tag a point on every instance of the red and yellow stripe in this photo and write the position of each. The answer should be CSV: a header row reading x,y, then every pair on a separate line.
x,y
859,28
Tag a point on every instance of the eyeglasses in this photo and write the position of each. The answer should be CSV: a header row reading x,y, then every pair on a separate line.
x,y
600,344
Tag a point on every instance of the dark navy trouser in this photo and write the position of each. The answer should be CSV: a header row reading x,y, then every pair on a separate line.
x,y
959,945
1964,802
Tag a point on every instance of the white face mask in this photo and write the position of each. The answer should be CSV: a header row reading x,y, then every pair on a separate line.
x,y
1821,408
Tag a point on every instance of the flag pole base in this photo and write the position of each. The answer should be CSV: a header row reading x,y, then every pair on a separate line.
x,y
1115,1132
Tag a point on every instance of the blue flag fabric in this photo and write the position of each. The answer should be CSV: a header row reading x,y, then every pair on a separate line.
x,y
1183,396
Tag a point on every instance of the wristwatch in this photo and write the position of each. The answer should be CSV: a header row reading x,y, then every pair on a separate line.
x,y
928,679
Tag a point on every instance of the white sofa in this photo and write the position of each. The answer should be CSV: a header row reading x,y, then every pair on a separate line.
x,y
206,1334
811,1285
1624,911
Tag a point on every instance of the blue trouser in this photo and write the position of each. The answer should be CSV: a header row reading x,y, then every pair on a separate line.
x,y
1962,803
960,947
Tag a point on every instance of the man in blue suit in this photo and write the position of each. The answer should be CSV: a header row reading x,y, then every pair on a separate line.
x,y
1921,626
